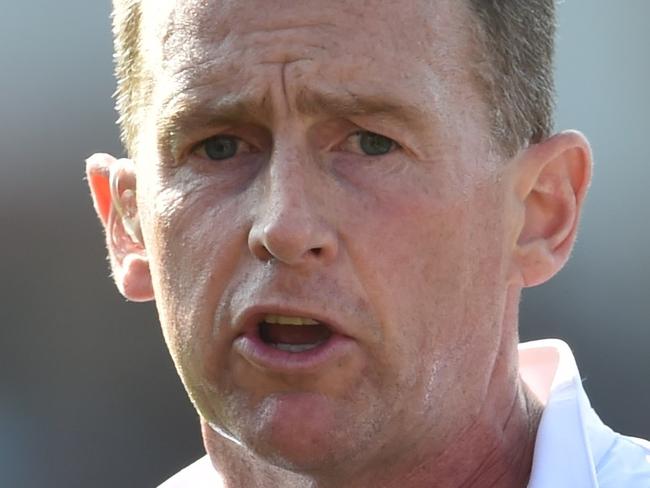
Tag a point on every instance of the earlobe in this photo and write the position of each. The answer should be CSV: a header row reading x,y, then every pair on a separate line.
x,y
553,178
112,185
134,279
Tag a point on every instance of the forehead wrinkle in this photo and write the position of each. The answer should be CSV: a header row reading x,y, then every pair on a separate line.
x,y
287,26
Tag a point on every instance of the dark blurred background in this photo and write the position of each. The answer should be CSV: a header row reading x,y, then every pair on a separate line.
x,y
88,395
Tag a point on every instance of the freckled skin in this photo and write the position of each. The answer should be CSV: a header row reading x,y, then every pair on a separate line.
x,y
414,246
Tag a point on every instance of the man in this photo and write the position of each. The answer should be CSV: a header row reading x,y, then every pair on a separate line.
x,y
336,206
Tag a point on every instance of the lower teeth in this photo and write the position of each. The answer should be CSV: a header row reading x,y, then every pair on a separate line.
x,y
295,347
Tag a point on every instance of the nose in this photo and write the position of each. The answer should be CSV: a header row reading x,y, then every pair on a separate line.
x,y
290,224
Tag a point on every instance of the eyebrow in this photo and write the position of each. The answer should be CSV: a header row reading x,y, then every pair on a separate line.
x,y
311,102
189,114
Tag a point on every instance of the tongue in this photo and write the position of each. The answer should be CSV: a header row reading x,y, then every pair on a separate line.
x,y
294,334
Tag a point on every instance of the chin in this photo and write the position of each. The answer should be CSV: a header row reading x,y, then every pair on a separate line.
x,y
300,432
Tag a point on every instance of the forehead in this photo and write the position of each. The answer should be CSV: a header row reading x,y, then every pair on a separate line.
x,y
189,34
435,22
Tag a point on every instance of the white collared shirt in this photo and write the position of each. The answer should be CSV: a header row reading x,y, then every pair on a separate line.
x,y
573,449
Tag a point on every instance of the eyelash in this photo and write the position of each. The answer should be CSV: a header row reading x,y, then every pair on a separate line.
x,y
394,145
241,144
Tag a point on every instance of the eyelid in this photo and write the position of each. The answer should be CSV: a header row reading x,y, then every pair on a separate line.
x,y
255,136
243,146
357,133
214,136
361,131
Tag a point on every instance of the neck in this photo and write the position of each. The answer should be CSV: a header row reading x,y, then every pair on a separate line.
x,y
493,454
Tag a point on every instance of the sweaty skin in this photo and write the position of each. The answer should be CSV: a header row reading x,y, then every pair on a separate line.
x,y
418,255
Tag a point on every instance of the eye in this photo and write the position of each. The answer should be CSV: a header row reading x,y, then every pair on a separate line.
x,y
370,143
218,148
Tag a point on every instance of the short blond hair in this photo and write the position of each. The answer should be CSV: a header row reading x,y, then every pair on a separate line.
x,y
132,90
516,40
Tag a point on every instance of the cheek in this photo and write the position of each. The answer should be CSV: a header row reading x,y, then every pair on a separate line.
x,y
433,265
194,243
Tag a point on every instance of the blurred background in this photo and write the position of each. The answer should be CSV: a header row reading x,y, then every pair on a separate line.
x,y
88,395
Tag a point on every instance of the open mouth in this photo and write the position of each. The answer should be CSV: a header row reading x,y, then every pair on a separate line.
x,y
291,344
292,334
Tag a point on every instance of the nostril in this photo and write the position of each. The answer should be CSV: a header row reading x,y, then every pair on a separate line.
x,y
292,244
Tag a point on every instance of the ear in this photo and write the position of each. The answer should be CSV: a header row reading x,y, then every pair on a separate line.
x,y
112,186
551,183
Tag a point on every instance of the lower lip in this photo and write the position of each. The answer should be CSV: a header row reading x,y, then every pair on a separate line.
x,y
257,352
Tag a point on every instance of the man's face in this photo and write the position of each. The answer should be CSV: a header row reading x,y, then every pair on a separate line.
x,y
299,204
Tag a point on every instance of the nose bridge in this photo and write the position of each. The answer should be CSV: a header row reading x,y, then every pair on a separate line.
x,y
286,201
287,184
290,224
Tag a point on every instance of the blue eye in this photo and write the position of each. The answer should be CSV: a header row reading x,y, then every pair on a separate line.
x,y
221,147
373,144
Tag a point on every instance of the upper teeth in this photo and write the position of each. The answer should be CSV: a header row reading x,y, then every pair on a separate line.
x,y
288,320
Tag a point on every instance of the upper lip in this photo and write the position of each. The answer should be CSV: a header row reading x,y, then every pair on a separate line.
x,y
249,318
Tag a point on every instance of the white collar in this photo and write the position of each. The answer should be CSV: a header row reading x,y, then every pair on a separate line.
x,y
571,439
